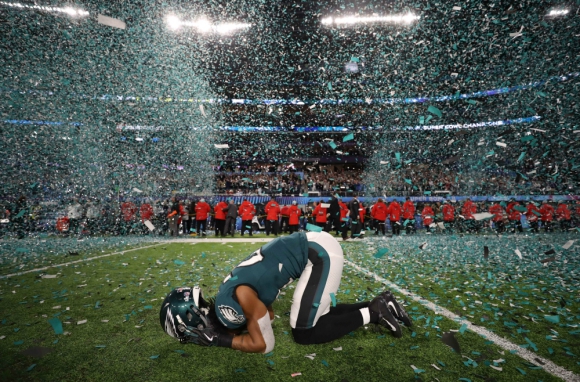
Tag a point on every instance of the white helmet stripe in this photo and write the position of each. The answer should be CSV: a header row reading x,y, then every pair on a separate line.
x,y
196,293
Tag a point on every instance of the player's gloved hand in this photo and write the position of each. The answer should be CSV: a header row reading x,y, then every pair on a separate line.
x,y
208,337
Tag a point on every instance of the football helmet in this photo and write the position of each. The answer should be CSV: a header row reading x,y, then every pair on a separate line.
x,y
184,312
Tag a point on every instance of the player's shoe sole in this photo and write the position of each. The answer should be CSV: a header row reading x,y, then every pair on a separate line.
x,y
386,318
396,309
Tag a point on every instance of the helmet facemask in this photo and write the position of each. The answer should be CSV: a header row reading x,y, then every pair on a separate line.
x,y
183,310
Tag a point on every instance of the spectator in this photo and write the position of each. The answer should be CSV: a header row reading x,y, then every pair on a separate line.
x,y
202,211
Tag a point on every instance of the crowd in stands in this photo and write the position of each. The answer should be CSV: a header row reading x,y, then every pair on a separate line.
x,y
198,218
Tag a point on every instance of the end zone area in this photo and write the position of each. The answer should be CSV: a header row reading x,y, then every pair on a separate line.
x,y
108,308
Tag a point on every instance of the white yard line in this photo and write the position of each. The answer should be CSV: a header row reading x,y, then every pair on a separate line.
x,y
529,356
190,240
77,261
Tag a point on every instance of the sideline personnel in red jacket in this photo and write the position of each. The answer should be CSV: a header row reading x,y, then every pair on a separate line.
x,y
428,217
395,216
272,210
220,218
547,212
294,217
202,210
497,211
320,215
448,214
532,216
379,213
514,216
246,212
409,215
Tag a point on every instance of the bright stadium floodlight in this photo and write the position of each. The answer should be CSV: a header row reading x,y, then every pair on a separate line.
x,y
72,12
204,25
173,22
355,19
558,12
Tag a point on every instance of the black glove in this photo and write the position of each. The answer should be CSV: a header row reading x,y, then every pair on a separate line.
x,y
208,337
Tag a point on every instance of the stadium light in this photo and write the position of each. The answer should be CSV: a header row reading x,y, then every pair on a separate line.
x,y
72,12
204,25
356,19
558,12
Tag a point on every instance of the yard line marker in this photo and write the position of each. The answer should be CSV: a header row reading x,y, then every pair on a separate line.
x,y
77,261
529,356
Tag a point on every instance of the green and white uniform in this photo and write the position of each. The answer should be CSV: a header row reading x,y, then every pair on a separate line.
x,y
315,258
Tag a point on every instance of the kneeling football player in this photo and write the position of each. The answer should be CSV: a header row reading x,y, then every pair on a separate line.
x,y
244,300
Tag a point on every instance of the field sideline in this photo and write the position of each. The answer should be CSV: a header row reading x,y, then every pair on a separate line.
x,y
522,300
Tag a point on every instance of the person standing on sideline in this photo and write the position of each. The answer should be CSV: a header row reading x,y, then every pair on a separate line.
x,y
395,216
563,215
185,217
202,211
146,213
448,214
294,217
428,217
514,216
231,216
320,214
272,216
354,208
284,219
467,212
547,217
75,214
173,217
497,219
409,215
532,215
333,218
246,212
220,218
379,214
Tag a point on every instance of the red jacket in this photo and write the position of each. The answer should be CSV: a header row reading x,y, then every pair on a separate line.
x,y
496,210
246,210
468,210
146,211
547,212
427,216
562,212
380,211
361,213
128,210
219,210
408,210
530,215
202,210
320,213
448,213
284,211
272,210
343,209
513,214
577,211
295,213
394,211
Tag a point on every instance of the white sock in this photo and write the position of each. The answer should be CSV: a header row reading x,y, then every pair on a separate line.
x,y
366,315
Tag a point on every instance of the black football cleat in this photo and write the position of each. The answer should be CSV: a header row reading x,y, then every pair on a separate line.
x,y
379,305
396,309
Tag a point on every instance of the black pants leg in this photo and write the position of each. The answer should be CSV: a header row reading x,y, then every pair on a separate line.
x,y
246,225
396,227
356,227
534,226
339,321
293,228
219,227
230,225
200,227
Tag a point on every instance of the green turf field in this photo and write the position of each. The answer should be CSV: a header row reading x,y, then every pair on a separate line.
x,y
119,297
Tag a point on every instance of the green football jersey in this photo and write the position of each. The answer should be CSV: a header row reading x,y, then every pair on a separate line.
x,y
267,270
